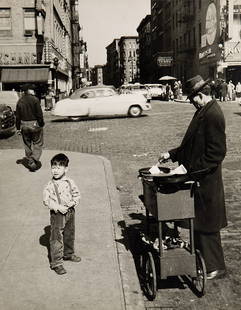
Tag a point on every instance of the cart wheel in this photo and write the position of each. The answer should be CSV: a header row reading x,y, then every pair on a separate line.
x,y
150,284
200,280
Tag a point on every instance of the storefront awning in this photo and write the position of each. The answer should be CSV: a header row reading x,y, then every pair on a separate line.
x,y
15,75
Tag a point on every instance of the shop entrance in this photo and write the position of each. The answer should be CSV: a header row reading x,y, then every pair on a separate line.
x,y
233,73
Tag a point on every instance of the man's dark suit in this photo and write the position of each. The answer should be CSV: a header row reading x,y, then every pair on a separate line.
x,y
204,146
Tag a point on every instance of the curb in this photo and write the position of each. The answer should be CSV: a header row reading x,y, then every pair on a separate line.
x,y
131,287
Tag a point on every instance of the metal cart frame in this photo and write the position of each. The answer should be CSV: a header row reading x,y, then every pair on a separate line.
x,y
170,203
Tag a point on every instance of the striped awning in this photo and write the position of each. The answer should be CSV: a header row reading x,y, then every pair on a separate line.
x,y
15,75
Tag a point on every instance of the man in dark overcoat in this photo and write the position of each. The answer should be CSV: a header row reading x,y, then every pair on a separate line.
x,y
203,148
30,123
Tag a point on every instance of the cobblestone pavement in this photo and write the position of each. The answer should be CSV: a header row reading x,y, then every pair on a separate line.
x,y
134,143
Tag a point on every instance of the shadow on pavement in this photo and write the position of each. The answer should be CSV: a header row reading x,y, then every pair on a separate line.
x,y
44,240
139,250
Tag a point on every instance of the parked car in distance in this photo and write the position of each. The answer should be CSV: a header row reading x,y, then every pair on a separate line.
x,y
7,119
10,98
100,101
156,91
135,88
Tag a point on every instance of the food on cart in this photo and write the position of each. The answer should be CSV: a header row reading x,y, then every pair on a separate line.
x,y
155,170
168,242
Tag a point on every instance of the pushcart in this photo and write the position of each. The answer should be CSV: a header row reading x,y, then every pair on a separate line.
x,y
169,200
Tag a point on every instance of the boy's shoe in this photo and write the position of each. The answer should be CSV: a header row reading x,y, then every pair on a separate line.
x,y
73,258
59,270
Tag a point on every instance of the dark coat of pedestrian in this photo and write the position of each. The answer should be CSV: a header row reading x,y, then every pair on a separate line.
x,y
30,123
203,148
224,91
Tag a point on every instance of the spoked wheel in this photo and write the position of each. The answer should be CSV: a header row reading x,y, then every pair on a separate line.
x,y
149,274
200,280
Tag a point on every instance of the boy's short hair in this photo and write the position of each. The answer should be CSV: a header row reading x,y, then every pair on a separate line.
x,y
60,159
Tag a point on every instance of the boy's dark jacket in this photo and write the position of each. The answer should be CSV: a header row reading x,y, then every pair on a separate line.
x,y
204,146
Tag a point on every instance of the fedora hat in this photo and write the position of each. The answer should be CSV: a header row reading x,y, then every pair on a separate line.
x,y
194,85
26,87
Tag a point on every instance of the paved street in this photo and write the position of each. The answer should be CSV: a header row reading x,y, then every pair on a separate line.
x,y
131,144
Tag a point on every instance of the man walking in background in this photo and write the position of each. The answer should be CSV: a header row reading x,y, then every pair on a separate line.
x,y
30,123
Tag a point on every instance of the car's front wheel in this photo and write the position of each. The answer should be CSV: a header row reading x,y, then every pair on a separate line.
x,y
135,111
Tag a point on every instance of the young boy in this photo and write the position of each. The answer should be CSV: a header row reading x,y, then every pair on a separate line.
x,y
61,196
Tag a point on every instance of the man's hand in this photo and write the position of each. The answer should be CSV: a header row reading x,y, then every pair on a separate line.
x,y
164,157
70,204
62,209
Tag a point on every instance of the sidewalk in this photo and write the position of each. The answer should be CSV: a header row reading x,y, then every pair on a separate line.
x,y
105,278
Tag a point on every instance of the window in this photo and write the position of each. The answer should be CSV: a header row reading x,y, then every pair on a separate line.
x,y
5,19
29,21
88,94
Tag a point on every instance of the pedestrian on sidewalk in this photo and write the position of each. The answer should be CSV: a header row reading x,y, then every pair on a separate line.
x,y
203,148
30,123
61,195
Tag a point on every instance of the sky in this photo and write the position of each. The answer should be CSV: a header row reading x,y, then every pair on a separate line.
x,y
102,21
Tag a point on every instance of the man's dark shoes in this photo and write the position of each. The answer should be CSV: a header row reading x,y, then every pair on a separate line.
x,y
73,258
21,160
216,274
34,165
59,270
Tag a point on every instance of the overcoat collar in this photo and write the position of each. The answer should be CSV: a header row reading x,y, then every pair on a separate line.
x,y
196,121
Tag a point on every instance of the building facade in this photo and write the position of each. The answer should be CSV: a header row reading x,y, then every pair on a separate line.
x,y
84,64
97,75
229,64
112,75
129,59
145,53
161,38
192,37
39,43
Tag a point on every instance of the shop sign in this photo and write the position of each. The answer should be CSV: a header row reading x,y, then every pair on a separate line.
x,y
18,58
232,51
164,61
211,23
205,53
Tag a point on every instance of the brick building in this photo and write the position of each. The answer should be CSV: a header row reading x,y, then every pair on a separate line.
x,y
97,75
112,76
145,54
39,43
196,37
129,59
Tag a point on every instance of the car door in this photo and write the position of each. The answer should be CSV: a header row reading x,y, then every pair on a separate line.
x,y
106,103
85,101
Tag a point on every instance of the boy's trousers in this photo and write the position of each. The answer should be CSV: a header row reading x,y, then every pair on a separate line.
x,y
61,236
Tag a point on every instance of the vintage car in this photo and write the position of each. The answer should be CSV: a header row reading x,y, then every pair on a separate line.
x,y
156,91
100,101
7,119
10,98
